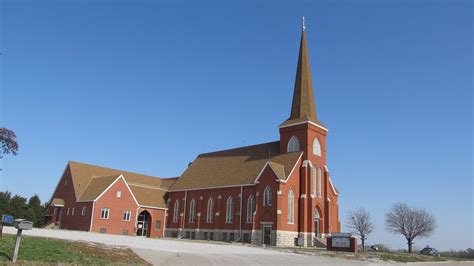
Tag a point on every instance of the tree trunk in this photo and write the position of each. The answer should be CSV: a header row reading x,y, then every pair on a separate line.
x,y
363,244
409,246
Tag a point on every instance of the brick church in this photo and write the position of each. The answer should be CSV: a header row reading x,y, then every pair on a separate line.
x,y
276,193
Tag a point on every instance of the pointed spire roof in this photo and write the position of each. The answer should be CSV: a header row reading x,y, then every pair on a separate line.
x,y
303,107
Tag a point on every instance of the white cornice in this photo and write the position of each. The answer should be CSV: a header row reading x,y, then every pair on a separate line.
x,y
304,122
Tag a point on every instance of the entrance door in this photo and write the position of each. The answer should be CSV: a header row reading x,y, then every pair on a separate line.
x,y
267,234
143,224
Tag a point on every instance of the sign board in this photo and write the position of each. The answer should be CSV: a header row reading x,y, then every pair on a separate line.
x,y
341,242
7,219
341,234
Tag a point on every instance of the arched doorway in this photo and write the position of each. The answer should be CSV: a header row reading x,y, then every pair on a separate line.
x,y
316,223
143,224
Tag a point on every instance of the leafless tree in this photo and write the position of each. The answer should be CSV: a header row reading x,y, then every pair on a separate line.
x,y
360,223
8,142
410,222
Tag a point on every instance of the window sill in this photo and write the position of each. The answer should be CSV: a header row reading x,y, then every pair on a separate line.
x,y
290,223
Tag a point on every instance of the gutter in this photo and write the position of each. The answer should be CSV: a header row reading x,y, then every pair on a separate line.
x,y
240,218
184,213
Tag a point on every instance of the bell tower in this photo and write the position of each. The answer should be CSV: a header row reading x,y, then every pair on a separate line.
x,y
303,126
303,131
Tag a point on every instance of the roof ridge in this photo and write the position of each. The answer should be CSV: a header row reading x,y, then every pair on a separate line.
x,y
242,147
114,169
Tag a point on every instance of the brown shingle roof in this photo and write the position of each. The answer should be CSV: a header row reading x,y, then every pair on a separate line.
x,y
303,107
82,174
97,186
148,196
235,167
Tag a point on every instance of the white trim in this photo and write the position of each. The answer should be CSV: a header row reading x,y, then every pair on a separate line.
x,y
304,122
141,185
92,216
292,170
328,199
261,171
151,207
303,196
332,186
326,168
306,162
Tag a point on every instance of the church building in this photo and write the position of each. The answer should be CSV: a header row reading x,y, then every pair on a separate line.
x,y
276,193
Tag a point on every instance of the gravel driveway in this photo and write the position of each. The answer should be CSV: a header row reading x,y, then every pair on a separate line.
x,y
182,252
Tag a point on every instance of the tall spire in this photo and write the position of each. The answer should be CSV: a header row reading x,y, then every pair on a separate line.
x,y
303,107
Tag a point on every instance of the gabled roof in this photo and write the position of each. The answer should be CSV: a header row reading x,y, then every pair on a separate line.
x,y
97,186
234,167
83,174
148,196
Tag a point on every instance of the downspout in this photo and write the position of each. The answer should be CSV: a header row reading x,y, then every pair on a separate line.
x,y
136,220
92,215
184,213
164,222
240,218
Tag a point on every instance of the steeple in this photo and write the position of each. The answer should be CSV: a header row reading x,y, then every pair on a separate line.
x,y
303,107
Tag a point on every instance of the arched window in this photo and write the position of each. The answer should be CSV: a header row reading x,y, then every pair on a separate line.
x,y
313,180
267,196
192,211
210,210
250,208
175,211
319,182
229,215
291,207
316,147
293,144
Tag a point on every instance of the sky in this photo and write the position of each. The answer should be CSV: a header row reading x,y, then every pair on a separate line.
x,y
146,86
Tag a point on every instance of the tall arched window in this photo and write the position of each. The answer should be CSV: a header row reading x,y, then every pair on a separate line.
x,y
250,208
267,196
176,211
210,210
192,211
316,147
293,144
229,215
313,180
319,182
291,207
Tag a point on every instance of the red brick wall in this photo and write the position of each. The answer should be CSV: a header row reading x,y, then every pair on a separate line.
x,y
306,134
115,223
156,215
65,190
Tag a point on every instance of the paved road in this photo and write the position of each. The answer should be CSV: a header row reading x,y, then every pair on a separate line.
x,y
175,252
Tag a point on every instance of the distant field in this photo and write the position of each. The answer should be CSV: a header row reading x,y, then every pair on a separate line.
x,y
35,250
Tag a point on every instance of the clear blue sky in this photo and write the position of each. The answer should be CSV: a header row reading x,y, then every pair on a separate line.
x,y
147,86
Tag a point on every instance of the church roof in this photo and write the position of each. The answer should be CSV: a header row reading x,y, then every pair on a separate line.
x,y
90,181
303,106
234,167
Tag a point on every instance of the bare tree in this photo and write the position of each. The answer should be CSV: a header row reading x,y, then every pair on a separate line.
x,y
410,222
361,224
8,142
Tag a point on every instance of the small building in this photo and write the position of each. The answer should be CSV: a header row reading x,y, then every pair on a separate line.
x,y
104,200
276,193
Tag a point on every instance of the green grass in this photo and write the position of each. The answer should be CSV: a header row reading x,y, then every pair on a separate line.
x,y
38,250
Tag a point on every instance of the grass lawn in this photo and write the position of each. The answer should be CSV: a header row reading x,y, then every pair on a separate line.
x,y
405,257
38,250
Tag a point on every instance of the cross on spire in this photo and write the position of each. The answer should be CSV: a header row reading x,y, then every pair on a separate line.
x,y
303,107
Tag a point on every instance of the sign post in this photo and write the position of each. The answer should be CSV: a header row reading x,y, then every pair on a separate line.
x,y
20,224
6,219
